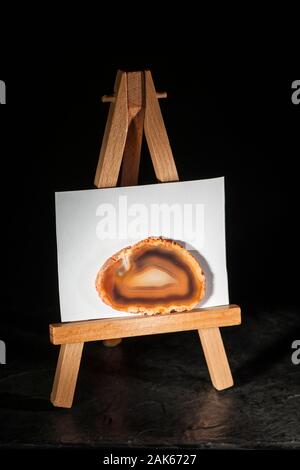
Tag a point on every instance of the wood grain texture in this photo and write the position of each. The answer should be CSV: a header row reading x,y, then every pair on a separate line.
x,y
111,328
66,375
114,138
136,111
156,135
216,358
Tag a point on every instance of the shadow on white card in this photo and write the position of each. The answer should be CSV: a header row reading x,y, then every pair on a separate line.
x,y
209,277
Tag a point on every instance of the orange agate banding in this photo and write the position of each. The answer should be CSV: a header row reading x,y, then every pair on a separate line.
x,y
156,275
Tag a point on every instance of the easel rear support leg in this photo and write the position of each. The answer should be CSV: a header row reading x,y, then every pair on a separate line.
x,y
66,375
216,358
136,112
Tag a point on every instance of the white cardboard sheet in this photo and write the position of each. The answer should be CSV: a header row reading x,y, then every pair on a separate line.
x,y
92,225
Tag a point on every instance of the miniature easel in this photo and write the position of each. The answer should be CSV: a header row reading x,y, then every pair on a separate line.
x,y
134,107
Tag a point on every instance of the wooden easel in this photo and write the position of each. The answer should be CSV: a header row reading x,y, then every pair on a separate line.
x,y
134,107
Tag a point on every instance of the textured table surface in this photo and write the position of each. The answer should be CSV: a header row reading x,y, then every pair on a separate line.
x,y
156,390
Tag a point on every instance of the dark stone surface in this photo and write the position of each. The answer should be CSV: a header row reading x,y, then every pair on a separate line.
x,y
156,390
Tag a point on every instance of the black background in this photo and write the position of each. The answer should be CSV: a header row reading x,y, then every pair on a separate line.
x,y
239,125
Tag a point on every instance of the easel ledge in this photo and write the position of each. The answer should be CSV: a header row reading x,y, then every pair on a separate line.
x,y
110,328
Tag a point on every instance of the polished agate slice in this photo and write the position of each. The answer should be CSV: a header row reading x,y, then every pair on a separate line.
x,y
156,275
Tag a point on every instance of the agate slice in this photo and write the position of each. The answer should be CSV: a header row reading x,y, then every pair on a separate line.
x,y
156,275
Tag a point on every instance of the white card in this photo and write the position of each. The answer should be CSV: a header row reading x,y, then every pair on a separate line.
x,y
92,225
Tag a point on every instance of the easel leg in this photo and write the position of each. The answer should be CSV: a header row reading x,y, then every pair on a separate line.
x,y
157,137
114,138
216,358
66,375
